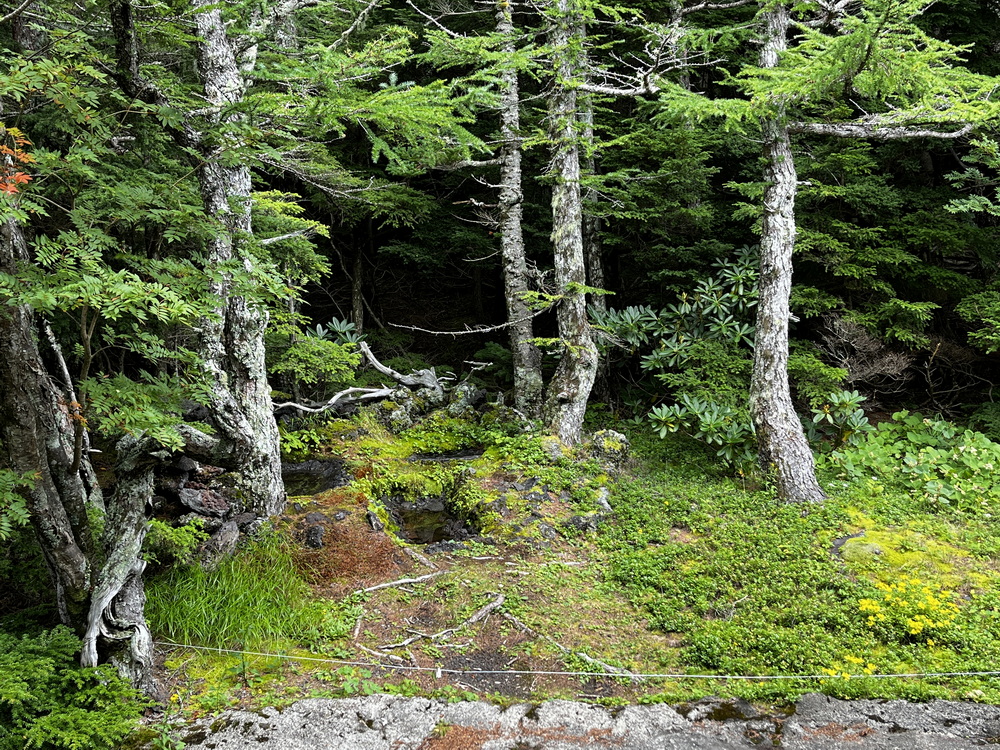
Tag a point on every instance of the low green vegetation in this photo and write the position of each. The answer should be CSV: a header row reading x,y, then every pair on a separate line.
x,y
48,702
250,601
696,572
884,578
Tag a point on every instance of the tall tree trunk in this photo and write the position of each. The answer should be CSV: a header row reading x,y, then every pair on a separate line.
x,y
781,442
527,358
592,248
37,438
566,401
358,289
232,343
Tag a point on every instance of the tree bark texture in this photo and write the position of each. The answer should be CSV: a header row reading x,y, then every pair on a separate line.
x,y
357,290
781,442
116,623
232,342
527,358
592,248
566,401
39,430
37,437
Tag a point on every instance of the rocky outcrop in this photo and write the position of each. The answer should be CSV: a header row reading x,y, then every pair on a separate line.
x,y
383,722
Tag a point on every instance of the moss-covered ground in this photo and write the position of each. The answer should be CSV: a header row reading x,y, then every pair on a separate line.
x,y
693,573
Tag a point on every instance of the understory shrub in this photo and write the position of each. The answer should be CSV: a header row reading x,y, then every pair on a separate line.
x,y
948,467
49,702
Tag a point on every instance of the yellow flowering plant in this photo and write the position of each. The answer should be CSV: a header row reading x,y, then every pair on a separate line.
x,y
910,610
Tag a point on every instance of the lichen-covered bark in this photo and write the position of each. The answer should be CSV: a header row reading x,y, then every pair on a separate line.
x,y
781,442
116,630
232,343
566,400
527,359
36,437
592,246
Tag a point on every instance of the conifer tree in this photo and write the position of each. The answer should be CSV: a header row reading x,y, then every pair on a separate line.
x,y
906,85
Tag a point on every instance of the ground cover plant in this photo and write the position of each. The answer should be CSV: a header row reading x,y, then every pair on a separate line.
x,y
695,572
48,701
873,581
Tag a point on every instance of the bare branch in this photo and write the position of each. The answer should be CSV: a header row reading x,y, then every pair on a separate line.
x,y
362,17
308,233
367,394
647,88
17,11
400,582
715,6
472,331
874,131
434,21
466,163
418,379
609,669
480,614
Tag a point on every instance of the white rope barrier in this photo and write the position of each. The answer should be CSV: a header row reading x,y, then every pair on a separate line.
x,y
439,671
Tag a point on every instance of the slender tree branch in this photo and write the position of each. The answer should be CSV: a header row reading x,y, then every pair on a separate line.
x,y
361,18
307,233
872,130
467,163
17,11
715,6
445,29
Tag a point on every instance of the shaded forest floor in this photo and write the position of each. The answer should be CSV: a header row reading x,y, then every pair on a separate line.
x,y
545,592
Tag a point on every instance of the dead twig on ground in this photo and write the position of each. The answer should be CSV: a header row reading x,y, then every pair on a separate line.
x,y
478,616
608,668
400,582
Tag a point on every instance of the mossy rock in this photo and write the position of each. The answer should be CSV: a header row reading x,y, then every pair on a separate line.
x,y
611,448
859,551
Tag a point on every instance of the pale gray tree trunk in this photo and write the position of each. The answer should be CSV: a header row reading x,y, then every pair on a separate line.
x,y
566,400
527,358
232,343
781,442
116,624
592,248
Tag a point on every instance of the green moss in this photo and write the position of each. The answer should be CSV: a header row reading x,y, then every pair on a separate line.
x,y
911,550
